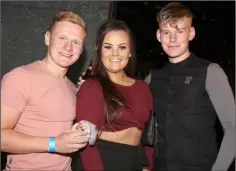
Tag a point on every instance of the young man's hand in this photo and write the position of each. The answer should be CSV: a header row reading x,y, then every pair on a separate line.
x,y
71,141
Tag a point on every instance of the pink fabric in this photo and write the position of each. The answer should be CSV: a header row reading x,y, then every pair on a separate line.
x,y
47,104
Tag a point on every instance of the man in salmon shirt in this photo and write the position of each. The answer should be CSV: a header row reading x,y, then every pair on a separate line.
x,y
38,103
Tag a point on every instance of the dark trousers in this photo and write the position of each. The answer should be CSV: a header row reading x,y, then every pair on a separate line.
x,y
161,165
116,157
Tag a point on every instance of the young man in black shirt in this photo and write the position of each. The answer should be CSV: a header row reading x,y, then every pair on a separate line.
x,y
189,93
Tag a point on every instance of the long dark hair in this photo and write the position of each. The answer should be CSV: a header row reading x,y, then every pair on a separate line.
x,y
113,99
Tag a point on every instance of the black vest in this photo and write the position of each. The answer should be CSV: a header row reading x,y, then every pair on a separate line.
x,y
186,115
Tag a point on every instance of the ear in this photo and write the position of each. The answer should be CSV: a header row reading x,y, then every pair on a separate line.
x,y
192,33
158,34
47,38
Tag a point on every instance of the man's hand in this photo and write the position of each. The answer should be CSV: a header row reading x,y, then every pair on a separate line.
x,y
71,141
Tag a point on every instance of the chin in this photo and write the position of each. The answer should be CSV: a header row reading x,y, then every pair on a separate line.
x,y
65,64
174,54
115,71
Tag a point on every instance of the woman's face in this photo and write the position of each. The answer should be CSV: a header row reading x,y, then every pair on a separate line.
x,y
116,51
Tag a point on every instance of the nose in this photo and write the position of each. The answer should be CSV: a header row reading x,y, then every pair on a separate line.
x,y
172,37
115,52
68,46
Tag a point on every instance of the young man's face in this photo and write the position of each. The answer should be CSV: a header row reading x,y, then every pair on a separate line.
x,y
175,38
65,43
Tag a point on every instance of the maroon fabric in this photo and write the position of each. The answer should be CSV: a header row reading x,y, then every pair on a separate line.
x,y
90,107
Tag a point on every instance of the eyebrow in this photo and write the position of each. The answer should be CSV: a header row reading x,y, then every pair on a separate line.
x,y
112,45
176,29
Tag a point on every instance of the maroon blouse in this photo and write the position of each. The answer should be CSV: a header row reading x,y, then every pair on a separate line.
x,y
90,107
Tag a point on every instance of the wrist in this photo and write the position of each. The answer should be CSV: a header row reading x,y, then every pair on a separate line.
x,y
51,144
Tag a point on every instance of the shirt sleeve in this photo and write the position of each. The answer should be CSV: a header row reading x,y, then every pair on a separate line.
x,y
221,96
149,150
90,107
16,89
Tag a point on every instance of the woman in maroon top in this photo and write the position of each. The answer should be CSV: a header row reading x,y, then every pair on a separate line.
x,y
116,103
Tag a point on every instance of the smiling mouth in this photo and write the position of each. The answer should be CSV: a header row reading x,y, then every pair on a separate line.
x,y
65,55
173,46
114,60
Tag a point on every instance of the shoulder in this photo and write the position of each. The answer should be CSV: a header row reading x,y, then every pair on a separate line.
x,y
141,84
214,67
17,74
24,70
91,82
72,85
90,85
215,71
201,61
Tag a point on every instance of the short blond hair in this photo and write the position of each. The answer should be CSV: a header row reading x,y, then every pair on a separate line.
x,y
173,12
70,17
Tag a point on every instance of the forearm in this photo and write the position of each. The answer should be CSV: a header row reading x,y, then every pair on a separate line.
x,y
227,150
149,153
16,142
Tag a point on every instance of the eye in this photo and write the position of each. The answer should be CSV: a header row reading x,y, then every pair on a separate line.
x,y
62,37
107,47
180,31
76,42
123,47
165,33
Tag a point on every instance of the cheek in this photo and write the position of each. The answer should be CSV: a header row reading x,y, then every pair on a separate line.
x,y
105,62
77,49
164,39
55,44
183,39
125,61
105,53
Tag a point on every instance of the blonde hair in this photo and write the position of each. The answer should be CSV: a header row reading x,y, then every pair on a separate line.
x,y
70,17
173,12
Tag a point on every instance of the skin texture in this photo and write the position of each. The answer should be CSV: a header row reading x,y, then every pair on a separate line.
x,y
116,51
174,39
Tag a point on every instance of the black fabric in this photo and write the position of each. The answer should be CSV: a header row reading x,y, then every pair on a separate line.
x,y
150,134
115,157
186,116
161,165
121,157
76,163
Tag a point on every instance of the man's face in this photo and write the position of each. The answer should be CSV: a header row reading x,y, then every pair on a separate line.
x,y
174,38
65,43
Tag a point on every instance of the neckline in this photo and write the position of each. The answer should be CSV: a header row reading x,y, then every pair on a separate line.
x,y
45,69
125,86
181,63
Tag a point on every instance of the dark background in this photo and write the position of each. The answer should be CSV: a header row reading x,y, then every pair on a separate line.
x,y
24,24
215,32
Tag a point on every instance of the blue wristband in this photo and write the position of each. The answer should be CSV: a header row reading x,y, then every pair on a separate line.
x,y
51,144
